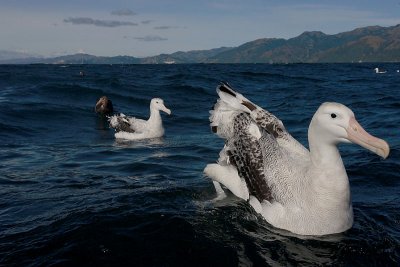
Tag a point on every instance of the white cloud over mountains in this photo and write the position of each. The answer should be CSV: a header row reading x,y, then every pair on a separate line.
x,y
99,22
150,38
123,12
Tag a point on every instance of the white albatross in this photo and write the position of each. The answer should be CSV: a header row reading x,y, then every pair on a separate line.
x,y
379,71
303,191
132,128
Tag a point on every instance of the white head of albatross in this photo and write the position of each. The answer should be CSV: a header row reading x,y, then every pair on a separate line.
x,y
157,104
132,128
304,191
334,123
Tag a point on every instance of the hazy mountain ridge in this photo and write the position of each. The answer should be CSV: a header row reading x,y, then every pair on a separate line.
x,y
7,55
195,56
367,44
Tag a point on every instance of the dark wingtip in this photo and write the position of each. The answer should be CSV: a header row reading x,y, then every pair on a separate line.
x,y
224,87
225,83
249,105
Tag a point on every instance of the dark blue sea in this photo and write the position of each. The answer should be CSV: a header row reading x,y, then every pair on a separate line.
x,y
71,195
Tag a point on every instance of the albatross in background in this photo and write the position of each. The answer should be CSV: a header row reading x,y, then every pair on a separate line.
x,y
132,128
380,71
303,191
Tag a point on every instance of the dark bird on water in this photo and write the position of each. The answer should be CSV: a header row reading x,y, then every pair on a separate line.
x,y
104,106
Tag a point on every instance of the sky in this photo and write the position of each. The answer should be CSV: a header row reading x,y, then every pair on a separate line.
x,y
142,28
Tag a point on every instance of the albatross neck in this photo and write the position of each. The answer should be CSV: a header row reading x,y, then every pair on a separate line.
x,y
155,116
326,161
330,182
324,154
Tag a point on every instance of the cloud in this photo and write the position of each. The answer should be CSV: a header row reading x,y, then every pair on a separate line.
x,y
165,27
146,21
150,38
99,23
123,12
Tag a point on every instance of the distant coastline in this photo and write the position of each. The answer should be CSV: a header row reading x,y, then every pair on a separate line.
x,y
367,44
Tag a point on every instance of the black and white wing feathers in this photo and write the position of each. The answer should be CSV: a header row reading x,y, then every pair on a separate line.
x,y
264,119
256,143
245,152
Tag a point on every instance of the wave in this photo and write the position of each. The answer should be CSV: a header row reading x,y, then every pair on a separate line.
x,y
73,195
9,130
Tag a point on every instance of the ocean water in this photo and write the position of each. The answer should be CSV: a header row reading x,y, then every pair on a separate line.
x,y
72,195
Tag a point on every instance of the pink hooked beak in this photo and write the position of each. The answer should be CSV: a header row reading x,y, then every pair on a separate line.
x,y
358,135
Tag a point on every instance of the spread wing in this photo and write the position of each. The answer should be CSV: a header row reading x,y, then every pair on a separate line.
x,y
257,143
244,150
264,119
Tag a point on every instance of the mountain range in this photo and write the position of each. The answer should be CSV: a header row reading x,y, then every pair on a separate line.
x,y
366,44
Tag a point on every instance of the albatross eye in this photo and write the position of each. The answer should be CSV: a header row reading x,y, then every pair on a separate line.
x,y
333,115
